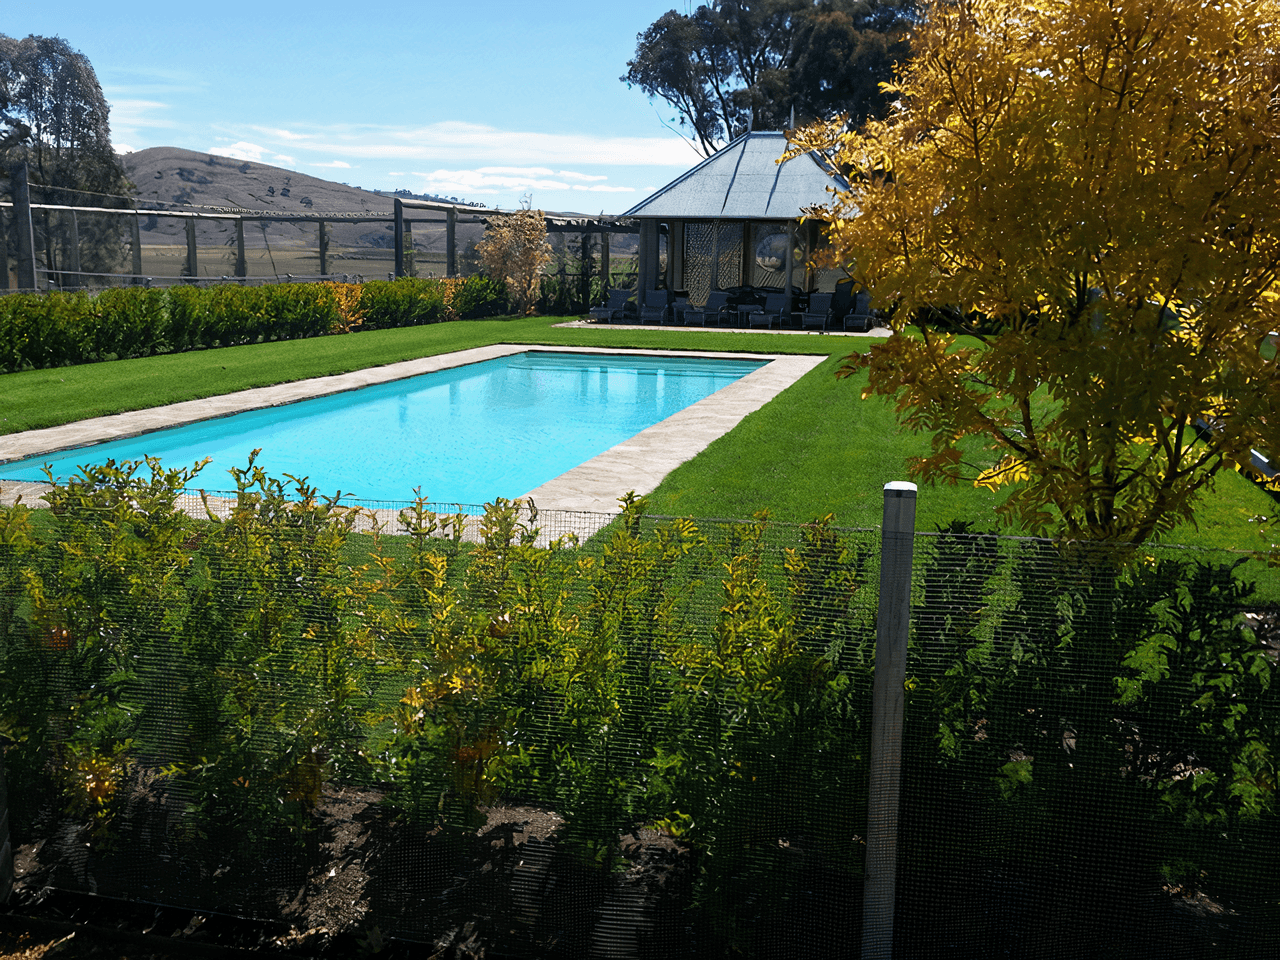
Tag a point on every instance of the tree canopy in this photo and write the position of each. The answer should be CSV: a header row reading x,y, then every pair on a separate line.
x,y
1091,189
53,92
53,116
732,64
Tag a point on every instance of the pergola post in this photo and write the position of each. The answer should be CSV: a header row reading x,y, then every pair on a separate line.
x,y
4,252
192,266
399,238
26,230
75,250
136,252
450,243
605,237
324,249
242,265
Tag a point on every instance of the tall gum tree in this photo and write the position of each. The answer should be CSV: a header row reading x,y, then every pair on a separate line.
x,y
54,117
729,66
1091,188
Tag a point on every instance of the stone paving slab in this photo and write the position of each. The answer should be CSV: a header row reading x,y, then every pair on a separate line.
x,y
873,332
637,464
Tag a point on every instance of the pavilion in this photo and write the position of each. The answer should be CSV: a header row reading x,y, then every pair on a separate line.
x,y
733,222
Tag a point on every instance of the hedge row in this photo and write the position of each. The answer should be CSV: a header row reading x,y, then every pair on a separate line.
x,y
61,329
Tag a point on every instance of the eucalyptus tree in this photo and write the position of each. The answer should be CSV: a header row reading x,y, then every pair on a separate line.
x,y
54,117
729,66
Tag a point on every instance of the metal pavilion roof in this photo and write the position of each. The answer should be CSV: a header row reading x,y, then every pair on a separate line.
x,y
744,181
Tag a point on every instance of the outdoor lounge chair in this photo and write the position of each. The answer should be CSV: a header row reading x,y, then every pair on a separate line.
x,y
816,316
675,310
709,315
859,316
771,314
841,304
655,307
613,311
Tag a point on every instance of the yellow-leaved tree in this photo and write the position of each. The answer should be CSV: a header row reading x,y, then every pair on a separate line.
x,y
1091,189
515,250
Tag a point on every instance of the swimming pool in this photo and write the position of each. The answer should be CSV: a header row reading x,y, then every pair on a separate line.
x,y
466,434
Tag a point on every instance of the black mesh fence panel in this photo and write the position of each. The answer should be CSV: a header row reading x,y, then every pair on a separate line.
x,y
513,734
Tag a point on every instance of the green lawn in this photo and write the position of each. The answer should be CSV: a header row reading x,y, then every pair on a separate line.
x,y
818,448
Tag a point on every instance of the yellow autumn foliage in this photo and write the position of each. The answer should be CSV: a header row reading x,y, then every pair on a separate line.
x,y
1092,189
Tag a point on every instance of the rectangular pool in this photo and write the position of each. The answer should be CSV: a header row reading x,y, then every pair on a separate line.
x,y
498,428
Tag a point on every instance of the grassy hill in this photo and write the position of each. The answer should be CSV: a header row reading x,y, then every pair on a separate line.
x,y
184,179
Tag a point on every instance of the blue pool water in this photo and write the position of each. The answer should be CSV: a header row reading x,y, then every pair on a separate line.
x,y
464,435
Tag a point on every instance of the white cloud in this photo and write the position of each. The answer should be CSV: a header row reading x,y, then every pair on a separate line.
x,y
601,188
488,180
121,148
242,150
457,140
339,165
284,160
131,115
282,134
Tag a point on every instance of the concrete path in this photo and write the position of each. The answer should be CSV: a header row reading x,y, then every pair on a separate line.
x,y
637,464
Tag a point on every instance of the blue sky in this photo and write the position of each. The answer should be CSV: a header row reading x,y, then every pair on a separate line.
x,y
487,100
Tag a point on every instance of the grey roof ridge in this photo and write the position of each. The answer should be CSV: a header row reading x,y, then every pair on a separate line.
x,y
740,142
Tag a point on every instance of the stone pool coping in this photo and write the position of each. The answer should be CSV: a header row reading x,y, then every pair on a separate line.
x,y
638,463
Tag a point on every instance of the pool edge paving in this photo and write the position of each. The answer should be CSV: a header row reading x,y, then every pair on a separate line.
x,y
641,462
638,463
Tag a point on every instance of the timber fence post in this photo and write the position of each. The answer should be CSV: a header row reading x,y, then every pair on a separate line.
x,y
893,623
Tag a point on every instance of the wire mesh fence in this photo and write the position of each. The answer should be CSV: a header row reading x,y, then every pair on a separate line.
x,y
81,247
522,734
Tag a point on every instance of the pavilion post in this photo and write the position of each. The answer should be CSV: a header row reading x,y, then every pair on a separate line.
x,y
324,248
786,288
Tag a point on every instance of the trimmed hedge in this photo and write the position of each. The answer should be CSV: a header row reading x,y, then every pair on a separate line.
x,y
62,329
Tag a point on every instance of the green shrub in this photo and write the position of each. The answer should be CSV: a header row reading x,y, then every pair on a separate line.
x,y
479,296
130,322
188,317
49,330
405,302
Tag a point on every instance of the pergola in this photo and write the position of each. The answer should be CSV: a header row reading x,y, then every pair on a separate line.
x,y
733,221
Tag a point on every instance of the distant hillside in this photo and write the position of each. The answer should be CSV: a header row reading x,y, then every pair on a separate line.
x,y
183,178
171,175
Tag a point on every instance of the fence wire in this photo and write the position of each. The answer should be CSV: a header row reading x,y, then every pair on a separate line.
x,y
504,734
